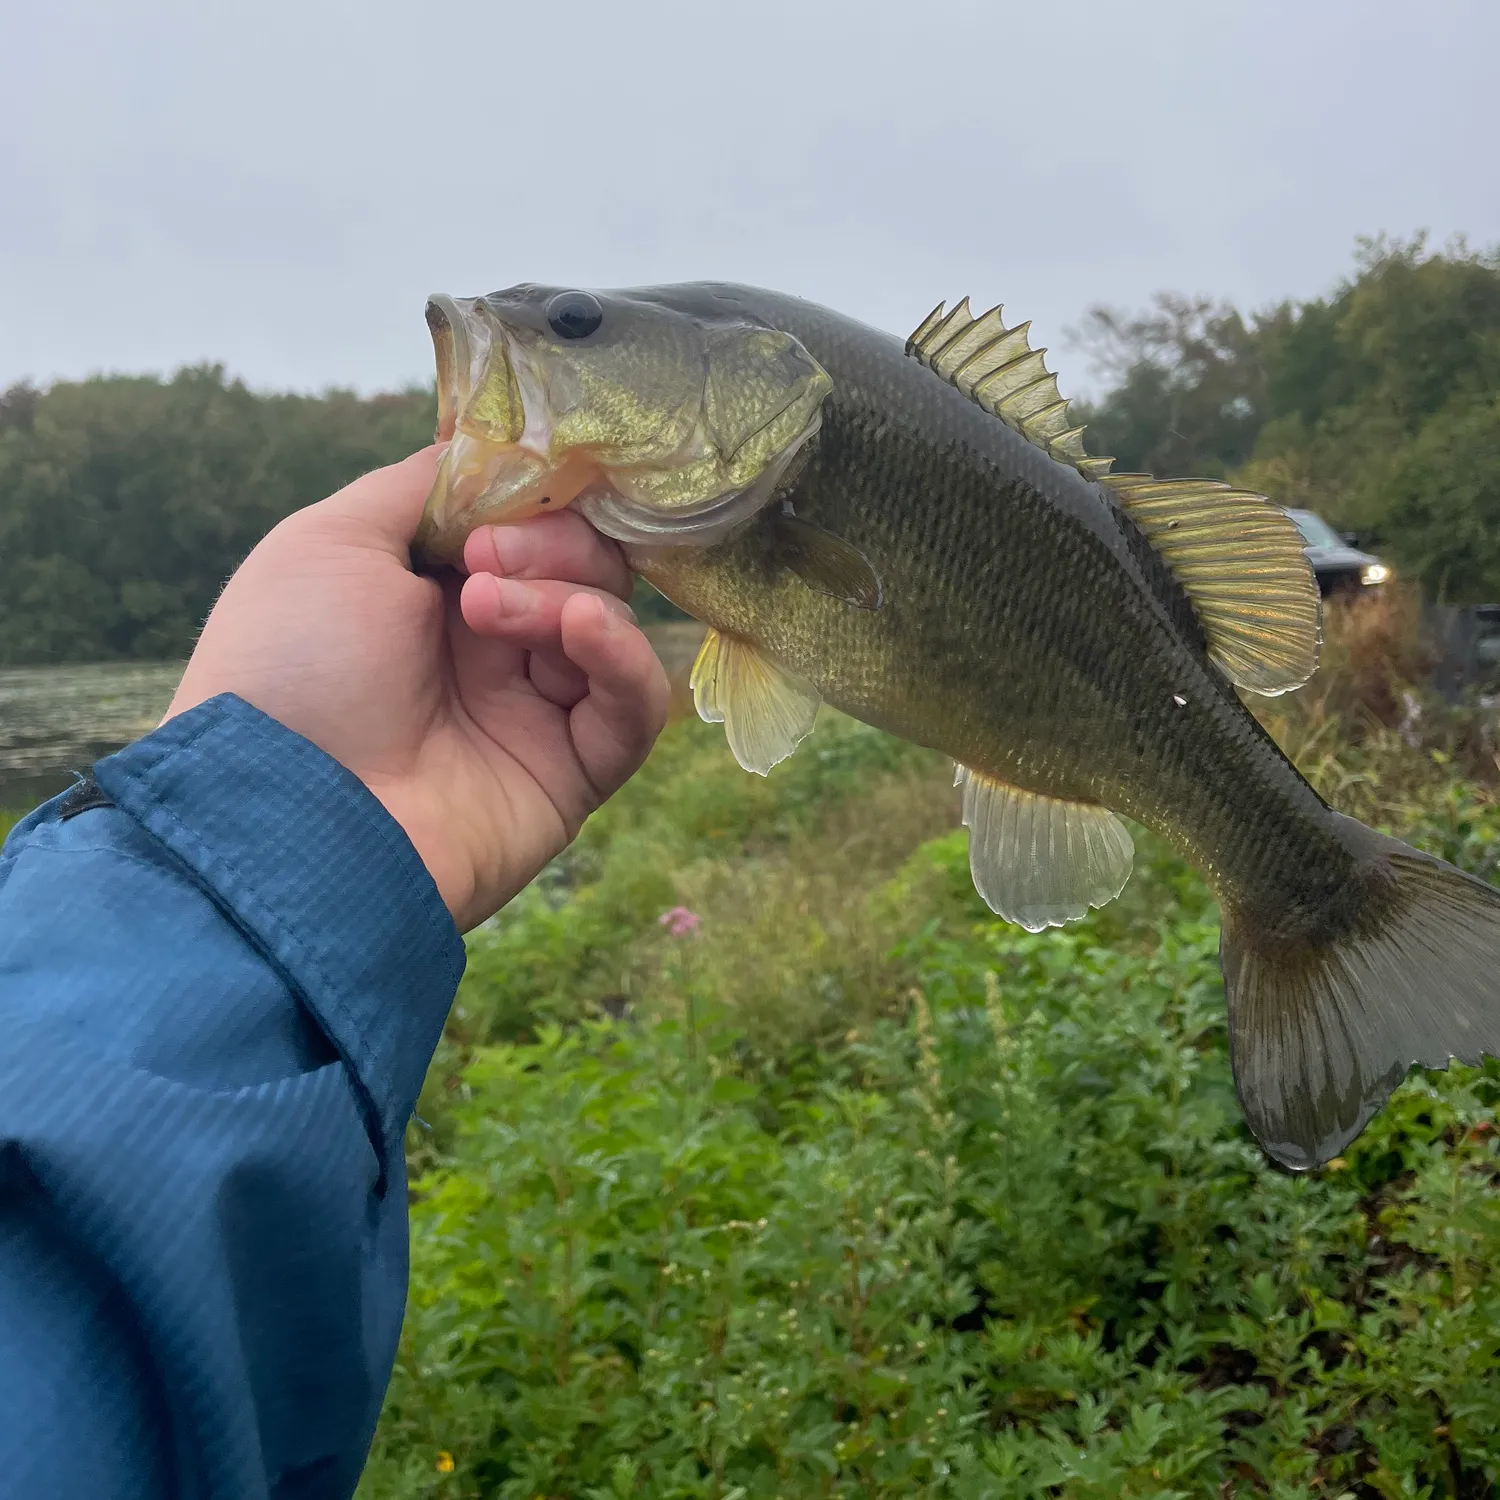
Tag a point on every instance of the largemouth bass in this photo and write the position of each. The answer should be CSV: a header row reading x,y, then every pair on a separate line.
x,y
915,534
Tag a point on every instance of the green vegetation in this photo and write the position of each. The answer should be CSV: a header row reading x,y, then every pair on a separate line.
x,y
855,1191
125,502
1377,406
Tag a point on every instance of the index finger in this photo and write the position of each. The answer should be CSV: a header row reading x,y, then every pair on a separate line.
x,y
616,723
562,546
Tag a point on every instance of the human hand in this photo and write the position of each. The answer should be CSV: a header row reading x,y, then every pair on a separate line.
x,y
490,715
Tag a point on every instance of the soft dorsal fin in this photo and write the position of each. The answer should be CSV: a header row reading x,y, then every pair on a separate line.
x,y
1237,554
1239,557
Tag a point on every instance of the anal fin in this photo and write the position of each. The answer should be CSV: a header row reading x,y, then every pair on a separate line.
x,y
766,711
1041,861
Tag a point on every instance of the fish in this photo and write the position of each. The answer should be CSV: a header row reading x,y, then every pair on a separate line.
x,y
914,533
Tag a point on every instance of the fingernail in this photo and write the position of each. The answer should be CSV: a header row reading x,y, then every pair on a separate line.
x,y
513,598
612,615
617,608
513,548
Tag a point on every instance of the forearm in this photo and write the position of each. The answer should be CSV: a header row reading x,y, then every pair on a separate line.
x,y
219,998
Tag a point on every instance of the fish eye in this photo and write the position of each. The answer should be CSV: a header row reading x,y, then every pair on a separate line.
x,y
574,315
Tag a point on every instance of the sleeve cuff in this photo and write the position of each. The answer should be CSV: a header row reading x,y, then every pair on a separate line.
x,y
315,872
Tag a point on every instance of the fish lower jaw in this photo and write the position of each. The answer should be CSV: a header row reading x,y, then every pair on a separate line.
x,y
479,483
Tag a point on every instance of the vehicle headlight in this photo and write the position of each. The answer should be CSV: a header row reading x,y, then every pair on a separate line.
x,y
1374,573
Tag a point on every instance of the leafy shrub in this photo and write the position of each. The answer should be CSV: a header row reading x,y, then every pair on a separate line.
x,y
998,1232
585,934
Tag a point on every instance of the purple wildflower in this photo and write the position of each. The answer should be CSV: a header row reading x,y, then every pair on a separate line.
x,y
680,922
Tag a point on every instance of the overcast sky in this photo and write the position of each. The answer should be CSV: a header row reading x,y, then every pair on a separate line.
x,y
277,184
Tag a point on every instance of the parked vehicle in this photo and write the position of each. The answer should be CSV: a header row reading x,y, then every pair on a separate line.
x,y
1340,567
1466,643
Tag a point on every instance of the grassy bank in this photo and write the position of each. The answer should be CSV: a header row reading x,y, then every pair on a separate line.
x,y
855,1191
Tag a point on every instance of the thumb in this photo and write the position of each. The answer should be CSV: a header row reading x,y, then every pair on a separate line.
x,y
385,505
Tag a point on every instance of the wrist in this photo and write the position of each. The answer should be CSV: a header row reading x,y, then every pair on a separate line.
x,y
295,849
430,835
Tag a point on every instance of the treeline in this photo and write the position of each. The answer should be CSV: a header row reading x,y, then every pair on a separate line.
x,y
126,501
1377,406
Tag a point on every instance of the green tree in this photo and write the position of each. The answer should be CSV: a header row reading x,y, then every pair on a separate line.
x,y
1442,499
1371,405
126,502
1189,394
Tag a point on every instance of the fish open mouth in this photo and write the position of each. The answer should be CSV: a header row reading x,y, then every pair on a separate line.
x,y
451,345
498,468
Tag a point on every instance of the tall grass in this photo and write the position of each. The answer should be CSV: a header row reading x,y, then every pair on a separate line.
x,y
1380,747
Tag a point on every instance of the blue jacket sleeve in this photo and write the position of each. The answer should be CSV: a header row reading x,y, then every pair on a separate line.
x,y
218,998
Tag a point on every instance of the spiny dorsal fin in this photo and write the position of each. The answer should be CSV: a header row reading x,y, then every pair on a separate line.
x,y
997,367
1237,554
1241,560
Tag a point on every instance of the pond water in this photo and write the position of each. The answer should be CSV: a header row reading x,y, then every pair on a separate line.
x,y
55,721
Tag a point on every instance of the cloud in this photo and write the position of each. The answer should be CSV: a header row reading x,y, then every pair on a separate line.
x,y
279,186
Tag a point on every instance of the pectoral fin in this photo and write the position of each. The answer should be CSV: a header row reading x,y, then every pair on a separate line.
x,y
1037,860
766,711
827,563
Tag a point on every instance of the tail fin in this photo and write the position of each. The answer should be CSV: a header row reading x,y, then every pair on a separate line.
x,y
1319,1037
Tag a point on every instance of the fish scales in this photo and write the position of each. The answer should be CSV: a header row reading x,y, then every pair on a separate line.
x,y
914,534
1028,628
